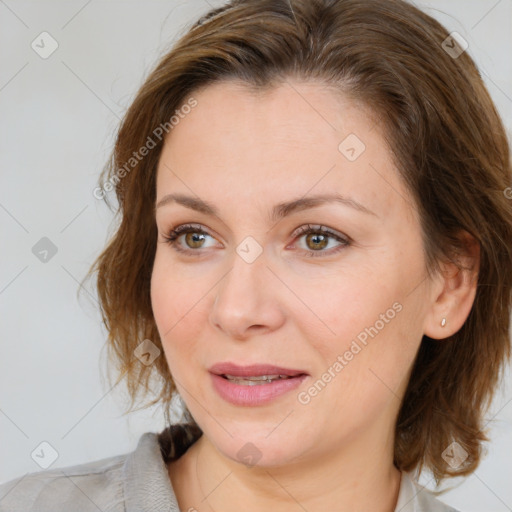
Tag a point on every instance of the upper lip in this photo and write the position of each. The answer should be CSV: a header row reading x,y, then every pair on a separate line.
x,y
253,370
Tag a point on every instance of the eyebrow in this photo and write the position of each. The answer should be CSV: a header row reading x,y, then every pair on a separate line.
x,y
279,211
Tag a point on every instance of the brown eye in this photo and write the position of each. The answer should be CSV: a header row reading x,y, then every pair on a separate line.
x,y
194,240
317,238
317,241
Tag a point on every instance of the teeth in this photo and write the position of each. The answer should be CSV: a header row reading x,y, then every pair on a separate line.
x,y
258,377
256,380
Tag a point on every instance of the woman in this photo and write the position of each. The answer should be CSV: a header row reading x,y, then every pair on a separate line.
x,y
315,234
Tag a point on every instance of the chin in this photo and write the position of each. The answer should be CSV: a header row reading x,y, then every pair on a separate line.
x,y
257,444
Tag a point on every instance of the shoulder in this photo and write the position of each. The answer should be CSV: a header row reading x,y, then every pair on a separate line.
x,y
107,484
413,497
92,486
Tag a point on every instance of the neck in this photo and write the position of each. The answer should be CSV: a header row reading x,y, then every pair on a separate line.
x,y
359,476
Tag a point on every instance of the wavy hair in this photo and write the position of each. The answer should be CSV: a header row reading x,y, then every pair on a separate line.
x,y
449,146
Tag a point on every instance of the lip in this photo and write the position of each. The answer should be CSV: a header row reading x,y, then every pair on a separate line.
x,y
253,370
250,396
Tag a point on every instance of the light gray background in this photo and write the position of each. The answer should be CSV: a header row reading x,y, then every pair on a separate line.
x,y
58,117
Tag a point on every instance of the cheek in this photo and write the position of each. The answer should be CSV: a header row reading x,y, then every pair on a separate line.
x,y
367,332
342,303
366,369
177,307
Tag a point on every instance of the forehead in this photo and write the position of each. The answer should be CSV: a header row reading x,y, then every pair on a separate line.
x,y
296,137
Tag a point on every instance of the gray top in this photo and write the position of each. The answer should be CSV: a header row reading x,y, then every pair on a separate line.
x,y
139,482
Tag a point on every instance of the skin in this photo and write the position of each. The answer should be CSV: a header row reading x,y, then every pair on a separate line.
x,y
244,152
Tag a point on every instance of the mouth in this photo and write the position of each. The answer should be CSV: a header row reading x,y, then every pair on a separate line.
x,y
255,372
254,384
256,380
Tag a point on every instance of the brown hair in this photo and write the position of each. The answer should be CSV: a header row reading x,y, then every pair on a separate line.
x,y
450,148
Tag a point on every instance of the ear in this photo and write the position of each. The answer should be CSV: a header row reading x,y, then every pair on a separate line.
x,y
454,290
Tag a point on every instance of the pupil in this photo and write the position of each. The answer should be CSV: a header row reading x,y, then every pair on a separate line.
x,y
315,238
195,238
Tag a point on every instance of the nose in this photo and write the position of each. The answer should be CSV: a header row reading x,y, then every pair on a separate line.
x,y
247,302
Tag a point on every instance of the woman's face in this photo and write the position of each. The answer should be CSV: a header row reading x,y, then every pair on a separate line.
x,y
345,308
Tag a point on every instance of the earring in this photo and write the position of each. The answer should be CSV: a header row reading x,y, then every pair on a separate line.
x,y
443,322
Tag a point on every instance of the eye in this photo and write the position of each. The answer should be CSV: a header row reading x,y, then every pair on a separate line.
x,y
317,238
194,237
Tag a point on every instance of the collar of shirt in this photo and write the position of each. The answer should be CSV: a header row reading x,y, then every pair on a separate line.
x,y
147,486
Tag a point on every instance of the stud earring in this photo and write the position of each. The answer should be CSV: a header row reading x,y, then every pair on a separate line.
x,y
443,322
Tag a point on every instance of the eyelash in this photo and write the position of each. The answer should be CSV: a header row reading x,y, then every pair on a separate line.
x,y
174,234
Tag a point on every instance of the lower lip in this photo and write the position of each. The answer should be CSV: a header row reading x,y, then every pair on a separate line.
x,y
259,394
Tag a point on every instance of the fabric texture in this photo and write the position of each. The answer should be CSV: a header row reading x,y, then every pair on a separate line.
x,y
139,482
